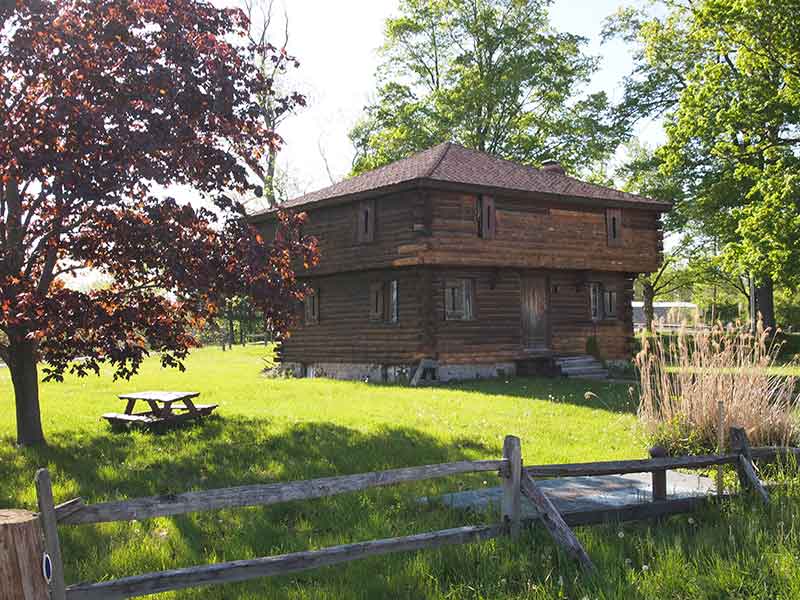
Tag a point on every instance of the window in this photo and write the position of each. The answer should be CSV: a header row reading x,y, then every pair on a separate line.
x,y
383,302
365,223
603,302
594,298
614,226
459,300
610,304
311,306
487,222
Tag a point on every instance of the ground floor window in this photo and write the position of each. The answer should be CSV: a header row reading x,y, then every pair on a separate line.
x,y
311,306
384,299
459,300
602,302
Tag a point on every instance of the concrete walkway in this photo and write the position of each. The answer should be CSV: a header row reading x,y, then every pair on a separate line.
x,y
570,494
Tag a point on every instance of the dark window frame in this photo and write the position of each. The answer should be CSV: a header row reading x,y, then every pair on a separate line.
x,y
614,226
365,221
311,307
459,299
603,302
384,300
487,217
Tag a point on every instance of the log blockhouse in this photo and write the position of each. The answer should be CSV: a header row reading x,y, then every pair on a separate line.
x,y
481,265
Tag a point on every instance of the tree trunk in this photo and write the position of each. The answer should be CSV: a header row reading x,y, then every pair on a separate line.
x,y
765,303
648,295
25,378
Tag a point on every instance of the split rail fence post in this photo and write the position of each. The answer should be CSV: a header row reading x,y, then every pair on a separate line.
x,y
659,477
47,517
720,445
748,478
512,478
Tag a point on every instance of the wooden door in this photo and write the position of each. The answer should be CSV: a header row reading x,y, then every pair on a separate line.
x,y
535,328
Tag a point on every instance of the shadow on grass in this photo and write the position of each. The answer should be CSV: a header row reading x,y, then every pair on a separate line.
x,y
610,396
231,451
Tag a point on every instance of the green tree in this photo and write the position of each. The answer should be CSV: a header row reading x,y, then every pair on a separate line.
x,y
490,74
725,74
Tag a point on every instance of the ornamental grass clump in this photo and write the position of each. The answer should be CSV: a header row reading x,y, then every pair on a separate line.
x,y
684,376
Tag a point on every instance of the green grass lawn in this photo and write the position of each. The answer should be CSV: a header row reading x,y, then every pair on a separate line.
x,y
280,430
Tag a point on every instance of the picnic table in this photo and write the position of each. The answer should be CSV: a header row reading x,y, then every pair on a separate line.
x,y
166,408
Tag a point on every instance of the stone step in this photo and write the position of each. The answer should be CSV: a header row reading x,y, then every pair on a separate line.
x,y
575,359
581,367
579,372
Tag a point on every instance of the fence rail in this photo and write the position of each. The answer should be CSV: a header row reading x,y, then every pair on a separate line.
x,y
516,481
75,512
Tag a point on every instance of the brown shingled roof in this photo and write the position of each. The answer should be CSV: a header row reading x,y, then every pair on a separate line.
x,y
453,164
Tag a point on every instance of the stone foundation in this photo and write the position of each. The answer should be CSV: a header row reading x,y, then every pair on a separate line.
x,y
397,373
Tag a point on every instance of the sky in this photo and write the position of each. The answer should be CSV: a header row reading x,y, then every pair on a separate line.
x,y
336,42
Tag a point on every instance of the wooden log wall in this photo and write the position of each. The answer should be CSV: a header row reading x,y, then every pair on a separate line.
x,y
395,241
570,315
539,234
495,334
345,333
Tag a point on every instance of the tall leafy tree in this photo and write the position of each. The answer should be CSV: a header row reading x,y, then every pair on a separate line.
x,y
726,76
490,74
103,102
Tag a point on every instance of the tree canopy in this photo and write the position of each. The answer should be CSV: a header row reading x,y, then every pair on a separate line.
x,y
725,74
490,74
105,102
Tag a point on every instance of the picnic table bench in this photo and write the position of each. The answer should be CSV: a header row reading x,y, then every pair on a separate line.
x,y
166,408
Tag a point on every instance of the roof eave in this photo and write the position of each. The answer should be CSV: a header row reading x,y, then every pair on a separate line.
x,y
428,183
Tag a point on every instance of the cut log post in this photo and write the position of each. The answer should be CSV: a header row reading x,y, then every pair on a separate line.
x,y
512,494
659,477
47,517
21,556
556,525
748,478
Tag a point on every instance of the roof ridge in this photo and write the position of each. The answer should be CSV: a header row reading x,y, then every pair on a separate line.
x,y
435,166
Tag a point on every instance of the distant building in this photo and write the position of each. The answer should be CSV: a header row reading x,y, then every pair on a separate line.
x,y
669,314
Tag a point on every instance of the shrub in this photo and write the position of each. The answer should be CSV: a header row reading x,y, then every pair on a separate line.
x,y
682,378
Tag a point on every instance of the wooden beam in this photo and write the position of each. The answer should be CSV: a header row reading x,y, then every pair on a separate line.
x,y
555,524
512,496
619,467
748,478
637,511
243,570
47,517
261,495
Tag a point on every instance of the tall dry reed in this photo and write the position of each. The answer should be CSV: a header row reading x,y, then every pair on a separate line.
x,y
682,378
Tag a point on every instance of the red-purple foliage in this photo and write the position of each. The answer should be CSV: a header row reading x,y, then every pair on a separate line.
x,y
105,103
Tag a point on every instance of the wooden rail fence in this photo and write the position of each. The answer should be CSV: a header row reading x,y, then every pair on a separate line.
x,y
516,480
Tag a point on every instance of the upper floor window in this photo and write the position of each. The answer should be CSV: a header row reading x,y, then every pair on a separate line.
x,y
487,223
383,301
459,300
614,226
311,307
365,223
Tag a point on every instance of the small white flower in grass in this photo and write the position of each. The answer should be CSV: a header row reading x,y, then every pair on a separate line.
x,y
620,534
628,562
645,568
590,396
691,520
